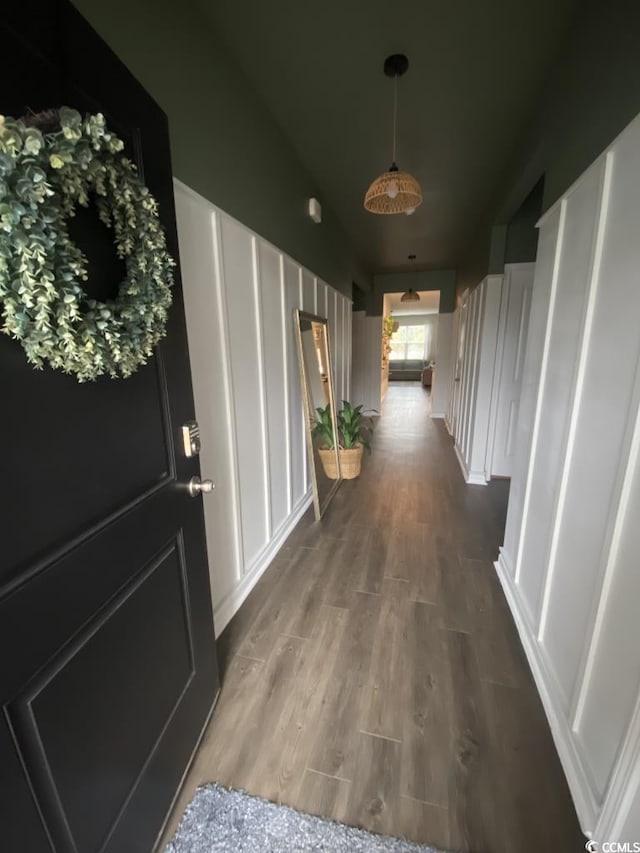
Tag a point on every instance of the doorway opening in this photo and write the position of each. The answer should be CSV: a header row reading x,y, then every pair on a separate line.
x,y
409,338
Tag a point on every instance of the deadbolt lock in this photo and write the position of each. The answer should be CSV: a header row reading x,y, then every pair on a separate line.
x,y
190,438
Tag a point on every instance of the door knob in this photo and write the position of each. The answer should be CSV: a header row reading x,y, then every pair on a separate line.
x,y
197,486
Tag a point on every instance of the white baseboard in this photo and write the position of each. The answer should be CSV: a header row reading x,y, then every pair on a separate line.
x,y
226,609
473,478
621,803
461,462
584,798
447,423
439,415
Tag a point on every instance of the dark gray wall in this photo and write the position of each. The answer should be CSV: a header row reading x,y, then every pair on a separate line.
x,y
522,234
592,93
225,145
442,280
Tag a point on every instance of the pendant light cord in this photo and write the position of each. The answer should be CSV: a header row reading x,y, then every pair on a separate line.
x,y
395,116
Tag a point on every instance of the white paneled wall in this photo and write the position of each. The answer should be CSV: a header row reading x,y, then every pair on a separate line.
x,y
479,320
240,294
443,376
367,360
507,381
274,328
484,357
452,404
570,564
236,249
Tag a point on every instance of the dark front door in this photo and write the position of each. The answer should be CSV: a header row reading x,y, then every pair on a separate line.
x,y
107,671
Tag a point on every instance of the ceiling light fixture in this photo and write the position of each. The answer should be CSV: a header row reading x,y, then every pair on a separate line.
x,y
394,191
410,296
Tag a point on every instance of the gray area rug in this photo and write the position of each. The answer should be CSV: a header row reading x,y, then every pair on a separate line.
x,y
218,820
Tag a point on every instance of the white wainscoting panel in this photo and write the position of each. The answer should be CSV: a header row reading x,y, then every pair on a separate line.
x,y
275,375
565,332
240,294
507,383
470,310
245,355
454,396
297,447
545,274
367,361
443,376
205,311
606,701
308,291
573,527
479,320
321,298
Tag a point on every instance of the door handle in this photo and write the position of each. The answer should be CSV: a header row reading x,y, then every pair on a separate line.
x,y
196,487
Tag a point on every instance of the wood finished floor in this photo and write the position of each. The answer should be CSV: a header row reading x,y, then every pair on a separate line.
x,y
374,675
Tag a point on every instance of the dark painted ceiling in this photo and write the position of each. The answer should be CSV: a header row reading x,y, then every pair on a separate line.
x,y
476,71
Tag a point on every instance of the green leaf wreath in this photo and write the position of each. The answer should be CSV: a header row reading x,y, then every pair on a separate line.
x,y
43,177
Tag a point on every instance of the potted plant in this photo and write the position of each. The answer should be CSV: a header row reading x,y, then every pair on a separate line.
x,y
354,430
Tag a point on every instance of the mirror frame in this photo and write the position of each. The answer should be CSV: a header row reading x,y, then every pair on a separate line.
x,y
309,410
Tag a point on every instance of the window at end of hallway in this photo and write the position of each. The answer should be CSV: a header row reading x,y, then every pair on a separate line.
x,y
409,343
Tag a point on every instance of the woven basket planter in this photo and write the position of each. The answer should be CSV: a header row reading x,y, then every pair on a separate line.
x,y
350,462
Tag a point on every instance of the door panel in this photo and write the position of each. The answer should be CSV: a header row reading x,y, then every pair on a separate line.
x,y
130,705
101,431
108,672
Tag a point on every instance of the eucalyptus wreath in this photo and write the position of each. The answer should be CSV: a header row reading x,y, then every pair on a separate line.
x,y
44,176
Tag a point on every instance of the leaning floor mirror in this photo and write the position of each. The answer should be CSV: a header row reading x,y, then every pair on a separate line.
x,y
312,335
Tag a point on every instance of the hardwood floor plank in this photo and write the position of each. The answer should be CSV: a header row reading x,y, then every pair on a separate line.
x,y
370,569
422,823
381,710
306,587
335,741
264,623
241,633
497,647
257,713
338,587
425,570
375,789
408,547
219,756
322,795
427,705
280,762
474,821
455,609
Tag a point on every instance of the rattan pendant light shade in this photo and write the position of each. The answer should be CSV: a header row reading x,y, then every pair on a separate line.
x,y
394,191
410,296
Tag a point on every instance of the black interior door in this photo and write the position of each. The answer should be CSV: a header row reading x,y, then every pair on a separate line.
x,y
108,669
